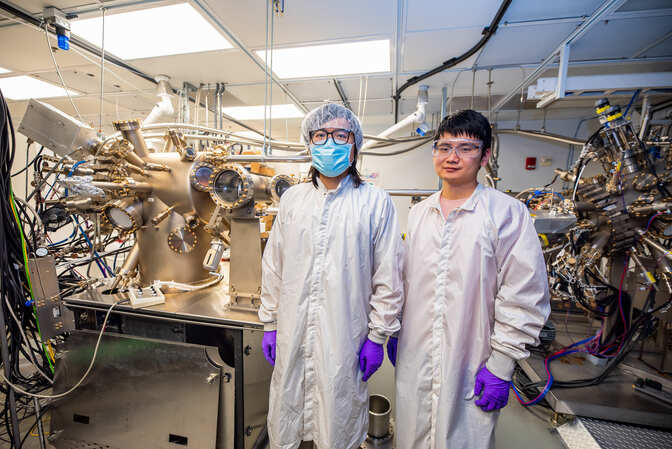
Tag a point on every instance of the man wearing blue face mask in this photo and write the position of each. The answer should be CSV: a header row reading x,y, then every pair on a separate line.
x,y
331,291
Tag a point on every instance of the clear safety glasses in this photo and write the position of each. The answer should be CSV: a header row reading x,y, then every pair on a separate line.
x,y
339,135
467,148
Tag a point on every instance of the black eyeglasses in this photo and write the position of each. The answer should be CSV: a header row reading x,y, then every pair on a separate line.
x,y
339,135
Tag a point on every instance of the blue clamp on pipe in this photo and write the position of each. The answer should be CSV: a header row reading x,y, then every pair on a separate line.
x,y
63,42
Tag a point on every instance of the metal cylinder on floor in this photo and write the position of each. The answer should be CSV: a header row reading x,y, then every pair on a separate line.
x,y
379,416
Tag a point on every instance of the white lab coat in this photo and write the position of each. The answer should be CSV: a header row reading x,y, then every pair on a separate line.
x,y
477,293
331,276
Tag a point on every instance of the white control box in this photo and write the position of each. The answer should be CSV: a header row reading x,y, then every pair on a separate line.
x,y
146,296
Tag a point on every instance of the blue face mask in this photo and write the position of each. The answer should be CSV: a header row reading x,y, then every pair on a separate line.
x,y
331,159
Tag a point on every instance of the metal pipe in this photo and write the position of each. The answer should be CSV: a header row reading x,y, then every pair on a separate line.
x,y
129,265
542,136
135,186
341,93
218,131
262,158
444,99
416,116
220,94
40,428
130,129
410,192
646,117
665,252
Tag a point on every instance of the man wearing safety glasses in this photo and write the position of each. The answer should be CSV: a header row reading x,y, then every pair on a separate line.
x,y
331,291
476,295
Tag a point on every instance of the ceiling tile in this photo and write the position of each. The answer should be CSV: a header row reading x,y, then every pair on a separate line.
x,y
523,10
426,50
442,14
306,21
631,36
524,44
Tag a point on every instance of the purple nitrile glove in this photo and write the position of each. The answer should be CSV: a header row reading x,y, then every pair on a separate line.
x,y
392,350
495,390
370,358
268,346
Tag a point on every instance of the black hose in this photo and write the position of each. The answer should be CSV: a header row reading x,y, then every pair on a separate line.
x,y
262,439
487,34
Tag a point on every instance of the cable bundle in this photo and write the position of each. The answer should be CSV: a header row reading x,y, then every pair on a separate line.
x,y
16,298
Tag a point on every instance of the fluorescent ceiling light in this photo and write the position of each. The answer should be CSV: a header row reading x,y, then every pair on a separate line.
x,y
257,112
330,59
166,30
4,70
25,87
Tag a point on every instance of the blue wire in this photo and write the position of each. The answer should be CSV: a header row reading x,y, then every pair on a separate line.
x,y
632,100
99,260
74,233
51,186
549,382
72,171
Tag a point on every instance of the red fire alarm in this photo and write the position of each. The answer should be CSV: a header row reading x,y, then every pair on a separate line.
x,y
530,163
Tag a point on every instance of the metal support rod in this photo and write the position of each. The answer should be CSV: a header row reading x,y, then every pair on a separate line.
x,y
40,428
256,59
102,71
652,44
562,72
11,396
645,117
444,99
603,10
341,93
220,95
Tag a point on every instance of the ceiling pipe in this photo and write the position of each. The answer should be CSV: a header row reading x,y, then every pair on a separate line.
x,y
541,136
341,93
417,116
487,34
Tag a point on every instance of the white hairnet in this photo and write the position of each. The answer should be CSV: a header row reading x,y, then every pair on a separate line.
x,y
316,118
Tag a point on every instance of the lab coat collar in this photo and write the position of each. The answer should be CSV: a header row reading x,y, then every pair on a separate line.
x,y
345,182
469,205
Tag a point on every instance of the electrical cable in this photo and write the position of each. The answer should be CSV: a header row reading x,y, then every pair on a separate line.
x,y
487,33
86,373
39,153
58,71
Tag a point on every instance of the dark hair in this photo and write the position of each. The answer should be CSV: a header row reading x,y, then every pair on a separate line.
x,y
469,123
352,171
